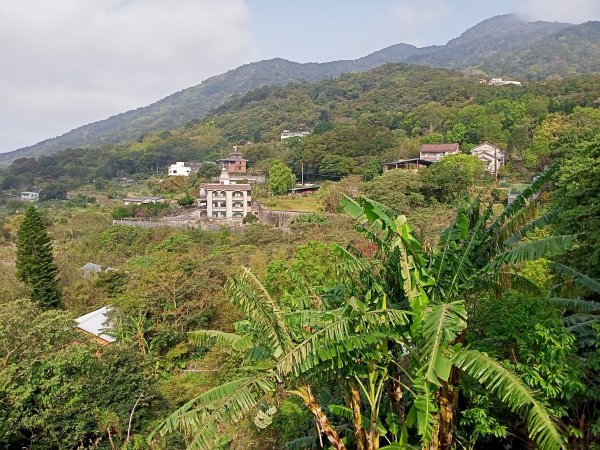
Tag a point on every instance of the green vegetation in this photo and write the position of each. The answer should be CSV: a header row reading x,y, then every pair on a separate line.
x,y
281,178
397,310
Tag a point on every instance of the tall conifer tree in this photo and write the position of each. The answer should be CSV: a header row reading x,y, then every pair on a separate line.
x,y
35,265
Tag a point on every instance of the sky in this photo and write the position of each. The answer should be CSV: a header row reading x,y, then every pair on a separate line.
x,y
66,63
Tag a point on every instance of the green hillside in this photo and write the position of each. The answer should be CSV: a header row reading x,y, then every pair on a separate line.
x,y
500,46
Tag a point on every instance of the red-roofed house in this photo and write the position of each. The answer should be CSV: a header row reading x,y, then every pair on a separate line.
x,y
435,152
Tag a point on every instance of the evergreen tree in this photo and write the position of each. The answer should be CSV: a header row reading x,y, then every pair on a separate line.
x,y
35,265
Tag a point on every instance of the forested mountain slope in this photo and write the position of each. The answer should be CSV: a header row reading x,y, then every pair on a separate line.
x,y
500,46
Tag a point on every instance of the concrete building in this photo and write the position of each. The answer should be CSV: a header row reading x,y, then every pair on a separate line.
x,y
286,134
234,164
435,152
142,200
30,196
225,200
493,157
183,169
501,82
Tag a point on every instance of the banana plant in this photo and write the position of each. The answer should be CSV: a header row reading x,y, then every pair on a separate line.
x,y
476,252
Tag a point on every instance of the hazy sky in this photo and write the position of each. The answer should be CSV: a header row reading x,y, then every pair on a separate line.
x,y
65,63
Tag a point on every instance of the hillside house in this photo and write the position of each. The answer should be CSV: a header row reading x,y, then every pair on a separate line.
x,y
142,200
30,196
225,200
95,324
501,82
286,134
407,164
436,152
183,169
493,157
234,163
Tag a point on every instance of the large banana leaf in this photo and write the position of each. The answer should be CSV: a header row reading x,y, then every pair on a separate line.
x,y
441,325
509,388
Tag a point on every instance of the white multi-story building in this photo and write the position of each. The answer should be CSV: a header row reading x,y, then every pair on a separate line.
x,y
225,200
182,169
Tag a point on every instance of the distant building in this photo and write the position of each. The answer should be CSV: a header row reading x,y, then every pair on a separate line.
x,y
183,169
286,134
30,196
234,164
435,152
90,269
501,82
408,164
492,156
142,200
225,200
303,190
96,324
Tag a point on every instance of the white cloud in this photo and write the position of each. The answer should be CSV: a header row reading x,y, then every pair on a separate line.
x,y
68,62
408,20
571,11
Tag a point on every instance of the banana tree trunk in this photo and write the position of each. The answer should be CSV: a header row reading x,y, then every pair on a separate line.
x,y
360,437
305,393
447,417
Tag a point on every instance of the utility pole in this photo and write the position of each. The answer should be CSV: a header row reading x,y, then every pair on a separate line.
x,y
302,173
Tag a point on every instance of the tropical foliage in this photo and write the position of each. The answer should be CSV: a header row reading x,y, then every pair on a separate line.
x,y
392,334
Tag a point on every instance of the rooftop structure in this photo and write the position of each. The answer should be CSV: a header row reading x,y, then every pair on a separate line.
x,y
96,323
234,163
409,164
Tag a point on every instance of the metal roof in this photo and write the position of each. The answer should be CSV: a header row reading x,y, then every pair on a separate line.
x,y
96,322
435,148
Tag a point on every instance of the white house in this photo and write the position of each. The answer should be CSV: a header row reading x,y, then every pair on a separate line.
x,y
182,169
30,196
435,152
286,134
492,156
225,200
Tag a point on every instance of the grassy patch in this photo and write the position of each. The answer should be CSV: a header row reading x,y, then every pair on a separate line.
x,y
307,203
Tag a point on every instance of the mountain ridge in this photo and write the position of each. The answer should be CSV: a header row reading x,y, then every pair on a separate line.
x,y
500,46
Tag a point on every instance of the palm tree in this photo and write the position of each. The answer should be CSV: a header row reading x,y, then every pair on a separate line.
x,y
394,341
